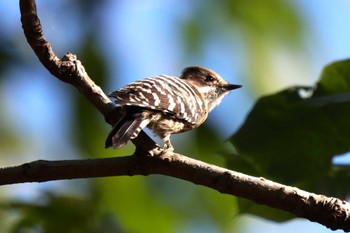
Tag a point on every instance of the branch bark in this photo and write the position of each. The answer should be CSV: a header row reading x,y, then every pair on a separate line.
x,y
331,212
70,70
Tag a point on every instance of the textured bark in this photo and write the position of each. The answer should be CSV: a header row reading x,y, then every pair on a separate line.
x,y
331,212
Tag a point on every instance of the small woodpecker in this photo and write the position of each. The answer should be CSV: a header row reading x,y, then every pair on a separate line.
x,y
167,105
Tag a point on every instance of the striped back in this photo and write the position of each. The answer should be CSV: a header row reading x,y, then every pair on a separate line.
x,y
167,94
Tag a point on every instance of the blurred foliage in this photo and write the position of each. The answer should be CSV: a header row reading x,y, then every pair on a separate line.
x,y
56,214
258,22
257,27
5,56
88,121
163,204
292,139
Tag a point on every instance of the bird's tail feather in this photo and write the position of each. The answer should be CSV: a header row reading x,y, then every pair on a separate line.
x,y
127,128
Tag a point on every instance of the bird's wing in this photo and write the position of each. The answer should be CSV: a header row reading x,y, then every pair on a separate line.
x,y
163,93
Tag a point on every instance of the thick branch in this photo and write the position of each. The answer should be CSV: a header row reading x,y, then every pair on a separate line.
x,y
331,212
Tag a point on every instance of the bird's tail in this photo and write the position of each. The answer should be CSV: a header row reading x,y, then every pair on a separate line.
x,y
127,128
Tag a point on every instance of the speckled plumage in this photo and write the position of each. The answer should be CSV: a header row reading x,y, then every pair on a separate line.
x,y
167,104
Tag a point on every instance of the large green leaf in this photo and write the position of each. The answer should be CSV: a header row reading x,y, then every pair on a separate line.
x,y
292,139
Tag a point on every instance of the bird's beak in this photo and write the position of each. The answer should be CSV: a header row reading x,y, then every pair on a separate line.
x,y
230,87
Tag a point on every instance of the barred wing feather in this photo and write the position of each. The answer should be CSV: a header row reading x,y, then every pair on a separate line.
x,y
164,93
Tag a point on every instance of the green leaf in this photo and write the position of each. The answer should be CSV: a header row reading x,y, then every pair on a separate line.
x,y
292,140
335,79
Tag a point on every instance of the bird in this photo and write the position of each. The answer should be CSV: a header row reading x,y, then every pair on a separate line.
x,y
167,104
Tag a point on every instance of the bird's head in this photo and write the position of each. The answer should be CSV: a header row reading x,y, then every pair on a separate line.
x,y
209,84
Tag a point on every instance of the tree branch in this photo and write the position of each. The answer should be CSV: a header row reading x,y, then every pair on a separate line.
x,y
70,70
331,212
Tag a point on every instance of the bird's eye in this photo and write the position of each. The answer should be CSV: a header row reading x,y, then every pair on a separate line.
x,y
209,78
